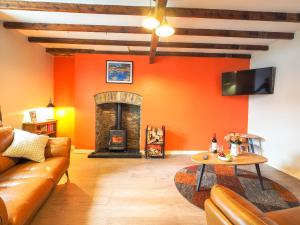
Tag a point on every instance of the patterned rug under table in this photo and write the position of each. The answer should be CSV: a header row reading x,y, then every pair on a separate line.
x,y
274,197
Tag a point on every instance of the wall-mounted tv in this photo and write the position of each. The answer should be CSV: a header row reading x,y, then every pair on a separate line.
x,y
249,82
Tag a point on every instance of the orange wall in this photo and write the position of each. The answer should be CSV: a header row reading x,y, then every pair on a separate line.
x,y
64,81
183,93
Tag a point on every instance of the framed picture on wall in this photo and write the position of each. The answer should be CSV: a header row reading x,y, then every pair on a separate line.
x,y
119,72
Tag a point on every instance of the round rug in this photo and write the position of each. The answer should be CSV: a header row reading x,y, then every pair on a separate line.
x,y
274,197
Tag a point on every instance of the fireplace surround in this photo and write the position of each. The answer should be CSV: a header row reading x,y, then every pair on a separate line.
x,y
117,129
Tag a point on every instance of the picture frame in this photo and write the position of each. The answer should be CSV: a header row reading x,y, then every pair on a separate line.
x,y
33,116
119,72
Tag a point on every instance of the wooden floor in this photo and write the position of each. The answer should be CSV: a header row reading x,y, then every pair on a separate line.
x,y
128,192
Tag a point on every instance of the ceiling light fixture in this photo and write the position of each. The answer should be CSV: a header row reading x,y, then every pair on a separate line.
x,y
150,22
164,30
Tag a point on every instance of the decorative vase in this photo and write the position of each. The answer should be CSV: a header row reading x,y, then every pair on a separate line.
x,y
234,149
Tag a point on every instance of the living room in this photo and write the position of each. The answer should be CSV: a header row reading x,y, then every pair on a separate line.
x,y
134,98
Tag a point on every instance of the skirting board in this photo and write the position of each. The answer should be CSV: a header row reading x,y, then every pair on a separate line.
x,y
83,151
177,152
283,170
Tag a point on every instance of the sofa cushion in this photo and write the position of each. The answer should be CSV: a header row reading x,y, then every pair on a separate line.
x,y
27,145
6,137
58,147
23,197
6,163
52,168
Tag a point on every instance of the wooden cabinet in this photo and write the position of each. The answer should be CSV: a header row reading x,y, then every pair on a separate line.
x,y
155,142
46,128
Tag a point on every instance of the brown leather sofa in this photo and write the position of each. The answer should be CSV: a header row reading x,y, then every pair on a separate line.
x,y
225,207
25,186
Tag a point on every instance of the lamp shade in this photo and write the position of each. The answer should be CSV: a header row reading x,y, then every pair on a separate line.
x,y
164,30
50,104
150,23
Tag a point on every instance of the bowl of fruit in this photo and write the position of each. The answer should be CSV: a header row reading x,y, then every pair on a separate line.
x,y
225,157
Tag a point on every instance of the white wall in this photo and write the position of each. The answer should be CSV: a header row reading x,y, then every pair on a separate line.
x,y
277,117
26,78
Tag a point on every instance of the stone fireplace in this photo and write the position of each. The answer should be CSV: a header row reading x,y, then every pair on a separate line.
x,y
118,118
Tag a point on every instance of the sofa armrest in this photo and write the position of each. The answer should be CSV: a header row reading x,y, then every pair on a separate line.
x,y
3,213
58,147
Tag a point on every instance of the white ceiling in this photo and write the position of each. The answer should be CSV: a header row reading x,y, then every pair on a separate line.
x,y
93,19
253,5
123,20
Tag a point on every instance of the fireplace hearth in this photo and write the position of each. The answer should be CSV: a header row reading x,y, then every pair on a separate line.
x,y
117,125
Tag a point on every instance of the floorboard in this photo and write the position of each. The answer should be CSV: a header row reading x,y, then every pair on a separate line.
x,y
129,192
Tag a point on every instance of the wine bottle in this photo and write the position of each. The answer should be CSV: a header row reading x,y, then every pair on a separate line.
x,y
214,144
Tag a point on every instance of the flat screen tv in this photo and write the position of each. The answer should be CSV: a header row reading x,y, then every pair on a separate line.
x,y
248,82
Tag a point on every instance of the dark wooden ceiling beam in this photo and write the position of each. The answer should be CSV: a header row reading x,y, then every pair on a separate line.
x,y
72,51
141,30
87,41
141,11
234,14
68,52
160,9
146,43
75,8
234,33
214,46
75,27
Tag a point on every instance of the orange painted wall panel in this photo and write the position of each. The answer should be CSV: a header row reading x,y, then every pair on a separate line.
x,y
64,70
183,93
64,95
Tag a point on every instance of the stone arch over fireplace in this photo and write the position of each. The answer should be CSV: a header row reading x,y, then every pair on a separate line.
x,y
118,97
106,116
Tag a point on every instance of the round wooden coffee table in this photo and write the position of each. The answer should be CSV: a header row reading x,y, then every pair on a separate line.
x,y
244,158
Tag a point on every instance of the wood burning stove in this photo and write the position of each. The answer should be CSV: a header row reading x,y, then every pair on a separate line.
x,y
117,136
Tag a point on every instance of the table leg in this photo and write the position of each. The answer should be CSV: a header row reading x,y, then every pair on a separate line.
x,y
251,145
260,150
259,176
199,177
235,170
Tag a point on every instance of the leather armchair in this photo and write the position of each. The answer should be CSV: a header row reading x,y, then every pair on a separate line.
x,y
225,207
